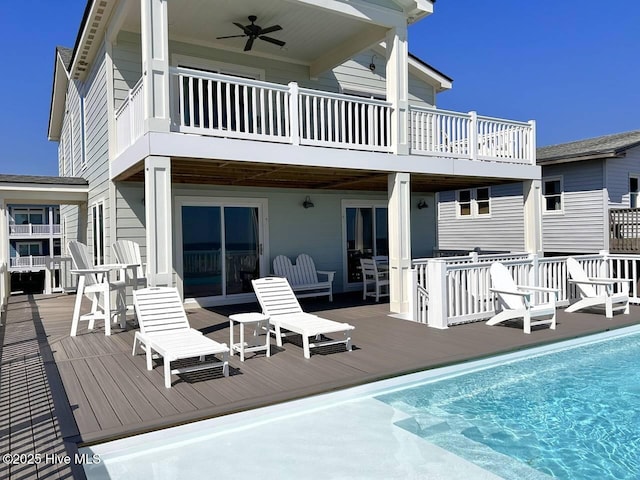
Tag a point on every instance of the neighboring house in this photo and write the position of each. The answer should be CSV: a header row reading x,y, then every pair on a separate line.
x,y
589,202
217,154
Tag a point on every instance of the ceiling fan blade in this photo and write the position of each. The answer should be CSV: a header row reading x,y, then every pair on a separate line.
x,y
273,40
249,44
230,36
275,28
239,25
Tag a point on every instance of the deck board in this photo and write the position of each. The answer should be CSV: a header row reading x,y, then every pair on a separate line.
x,y
100,391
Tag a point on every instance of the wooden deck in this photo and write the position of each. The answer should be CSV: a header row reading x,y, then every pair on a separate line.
x,y
59,392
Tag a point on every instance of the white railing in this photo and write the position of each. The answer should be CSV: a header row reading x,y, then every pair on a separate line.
x,y
222,105
130,117
466,135
58,276
33,230
30,261
458,288
344,121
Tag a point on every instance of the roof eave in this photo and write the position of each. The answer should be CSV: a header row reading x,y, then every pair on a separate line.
x,y
58,95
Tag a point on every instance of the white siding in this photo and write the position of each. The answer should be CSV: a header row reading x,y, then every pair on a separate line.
x,y
618,171
503,230
580,228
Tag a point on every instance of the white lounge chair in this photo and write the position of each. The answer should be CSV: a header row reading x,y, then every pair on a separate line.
x,y
303,277
94,282
279,302
372,276
590,298
165,330
515,301
128,253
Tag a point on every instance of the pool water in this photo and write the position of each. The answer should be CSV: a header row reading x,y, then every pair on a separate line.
x,y
574,414
569,411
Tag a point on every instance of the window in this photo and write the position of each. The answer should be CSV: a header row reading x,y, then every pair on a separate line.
x,y
97,228
25,216
552,193
83,127
28,248
633,191
474,202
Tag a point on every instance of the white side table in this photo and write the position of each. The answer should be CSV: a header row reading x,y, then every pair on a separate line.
x,y
259,321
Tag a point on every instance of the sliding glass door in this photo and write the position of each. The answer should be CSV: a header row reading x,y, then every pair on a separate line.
x,y
366,235
222,249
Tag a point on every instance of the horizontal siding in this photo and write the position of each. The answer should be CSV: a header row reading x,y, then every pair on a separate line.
x,y
130,224
581,226
503,230
618,171
126,57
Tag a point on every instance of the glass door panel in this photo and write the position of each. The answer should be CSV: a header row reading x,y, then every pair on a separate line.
x,y
202,251
242,248
367,236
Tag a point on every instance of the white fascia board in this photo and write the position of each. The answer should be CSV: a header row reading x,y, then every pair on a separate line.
x,y
361,10
44,194
58,95
416,9
186,146
90,40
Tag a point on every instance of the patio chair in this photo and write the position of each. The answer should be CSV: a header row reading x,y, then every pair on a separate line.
x,y
303,277
592,296
95,284
515,301
279,302
372,276
165,330
128,253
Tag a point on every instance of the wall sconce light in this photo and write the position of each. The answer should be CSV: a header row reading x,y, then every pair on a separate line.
x,y
372,66
422,204
307,203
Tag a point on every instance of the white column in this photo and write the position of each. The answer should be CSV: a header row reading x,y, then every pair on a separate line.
x,y
437,312
399,241
4,256
155,63
398,87
157,206
532,216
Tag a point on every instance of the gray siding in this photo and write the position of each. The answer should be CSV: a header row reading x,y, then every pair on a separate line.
x,y
503,230
617,175
581,226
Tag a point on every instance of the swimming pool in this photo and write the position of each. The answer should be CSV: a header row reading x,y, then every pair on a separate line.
x,y
566,414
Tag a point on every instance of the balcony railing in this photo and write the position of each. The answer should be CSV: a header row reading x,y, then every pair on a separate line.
x,y
37,262
33,230
624,230
219,105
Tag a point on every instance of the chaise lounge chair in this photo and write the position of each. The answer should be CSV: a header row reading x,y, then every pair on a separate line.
x,y
279,302
165,330
590,298
515,301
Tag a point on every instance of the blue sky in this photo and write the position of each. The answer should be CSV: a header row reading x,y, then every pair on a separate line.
x,y
570,65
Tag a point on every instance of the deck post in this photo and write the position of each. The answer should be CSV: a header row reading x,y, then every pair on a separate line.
x,y
157,207
437,311
532,215
154,27
294,109
4,256
399,210
398,87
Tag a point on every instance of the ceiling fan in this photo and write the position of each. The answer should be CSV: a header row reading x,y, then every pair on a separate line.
x,y
254,31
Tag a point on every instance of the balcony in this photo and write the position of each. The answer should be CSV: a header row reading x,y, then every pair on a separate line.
x,y
29,263
31,230
224,106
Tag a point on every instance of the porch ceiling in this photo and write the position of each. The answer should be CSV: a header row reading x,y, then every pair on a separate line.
x,y
249,174
308,30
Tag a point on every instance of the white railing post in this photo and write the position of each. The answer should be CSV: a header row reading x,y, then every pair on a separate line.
x,y
473,135
437,312
294,113
603,268
532,142
413,294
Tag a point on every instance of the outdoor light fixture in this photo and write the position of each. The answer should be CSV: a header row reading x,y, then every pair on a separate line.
x,y
372,66
422,204
307,203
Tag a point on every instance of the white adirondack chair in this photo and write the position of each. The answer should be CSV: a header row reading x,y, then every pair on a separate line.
x,y
590,298
94,282
165,330
303,277
372,276
128,254
515,301
279,302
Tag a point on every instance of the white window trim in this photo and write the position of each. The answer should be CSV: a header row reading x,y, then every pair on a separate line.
x,y
83,128
102,241
475,213
544,197
220,67
637,177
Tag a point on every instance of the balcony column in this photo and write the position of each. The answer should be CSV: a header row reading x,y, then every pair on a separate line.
x,y
398,87
157,208
4,256
532,215
399,208
155,63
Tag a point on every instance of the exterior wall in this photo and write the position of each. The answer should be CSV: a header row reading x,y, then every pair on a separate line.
x,y
581,227
503,230
617,177
353,76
